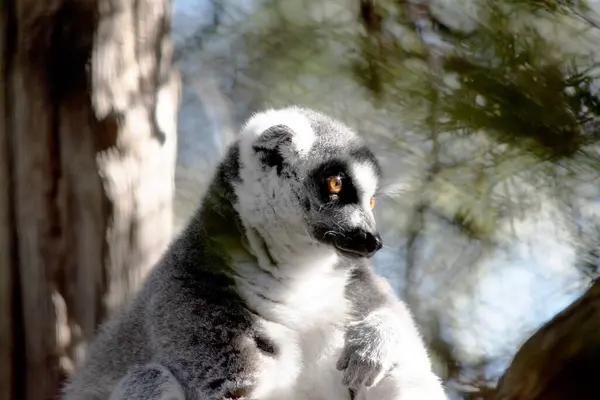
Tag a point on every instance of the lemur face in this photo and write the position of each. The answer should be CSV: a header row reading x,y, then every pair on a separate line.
x,y
302,170
339,201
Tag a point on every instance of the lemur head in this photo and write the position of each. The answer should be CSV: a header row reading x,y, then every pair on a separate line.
x,y
307,178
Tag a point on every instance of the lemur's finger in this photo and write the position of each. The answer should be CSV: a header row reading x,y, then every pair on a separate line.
x,y
343,361
374,376
352,373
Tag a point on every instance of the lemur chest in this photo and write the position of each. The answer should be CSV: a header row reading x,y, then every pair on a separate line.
x,y
307,326
300,301
311,307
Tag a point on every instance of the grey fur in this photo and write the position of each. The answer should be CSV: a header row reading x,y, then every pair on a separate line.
x,y
207,322
148,382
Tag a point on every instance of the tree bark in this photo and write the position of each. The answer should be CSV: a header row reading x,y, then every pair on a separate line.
x,y
6,231
89,99
561,361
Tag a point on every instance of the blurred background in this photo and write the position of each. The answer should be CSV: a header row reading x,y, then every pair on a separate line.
x,y
484,113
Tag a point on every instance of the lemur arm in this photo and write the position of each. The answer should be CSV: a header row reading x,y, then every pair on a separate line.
x,y
369,292
371,296
383,337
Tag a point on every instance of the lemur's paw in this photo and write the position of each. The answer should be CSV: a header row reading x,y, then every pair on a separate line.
x,y
371,350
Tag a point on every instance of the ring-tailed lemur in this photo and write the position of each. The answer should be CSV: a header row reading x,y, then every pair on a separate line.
x,y
268,294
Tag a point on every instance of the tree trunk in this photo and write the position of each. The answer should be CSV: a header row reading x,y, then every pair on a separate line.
x,y
561,361
6,233
88,102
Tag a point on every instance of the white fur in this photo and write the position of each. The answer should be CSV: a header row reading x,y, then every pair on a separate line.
x,y
303,138
278,375
307,325
366,179
262,196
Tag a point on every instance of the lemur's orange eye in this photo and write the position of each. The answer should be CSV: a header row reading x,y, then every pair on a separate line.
x,y
334,184
372,202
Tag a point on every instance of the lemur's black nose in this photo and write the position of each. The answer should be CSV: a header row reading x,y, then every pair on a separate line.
x,y
358,243
373,243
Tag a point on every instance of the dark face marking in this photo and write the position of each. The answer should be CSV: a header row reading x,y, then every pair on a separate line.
x,y
332,215
268,148
270,158
348,193
265,344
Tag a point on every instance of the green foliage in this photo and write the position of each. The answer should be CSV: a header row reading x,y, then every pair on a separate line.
x,y
520,97
504,78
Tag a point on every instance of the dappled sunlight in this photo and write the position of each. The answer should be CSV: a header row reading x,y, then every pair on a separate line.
x,y
484,115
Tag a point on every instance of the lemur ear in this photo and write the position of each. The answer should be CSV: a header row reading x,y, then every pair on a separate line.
x,y
276,137
273,138
272,144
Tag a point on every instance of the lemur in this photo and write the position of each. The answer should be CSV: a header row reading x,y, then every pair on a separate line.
x,y
268,292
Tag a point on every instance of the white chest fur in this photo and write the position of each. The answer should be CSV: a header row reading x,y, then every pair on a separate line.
x,y
304,314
